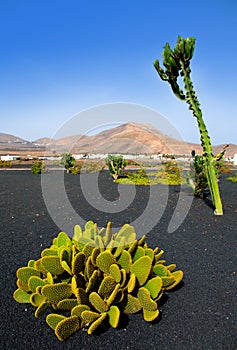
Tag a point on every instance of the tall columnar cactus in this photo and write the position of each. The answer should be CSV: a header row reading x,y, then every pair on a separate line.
x,y
177,64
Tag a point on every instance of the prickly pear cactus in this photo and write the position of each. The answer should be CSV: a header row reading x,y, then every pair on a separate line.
x,y
177,64
95,277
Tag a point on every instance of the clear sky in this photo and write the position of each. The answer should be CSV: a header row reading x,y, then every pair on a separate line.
x,y
60,57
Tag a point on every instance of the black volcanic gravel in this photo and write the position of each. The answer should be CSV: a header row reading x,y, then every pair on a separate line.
x,y
200,315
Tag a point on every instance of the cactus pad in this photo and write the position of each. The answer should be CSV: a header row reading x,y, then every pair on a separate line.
x,y
154,286
24,273
34,282
21,296
52,264
67,304
97,323
66,327
131,304
149,315
115,272
141,269
145,299
104,260
41,309
97,302
106,287
53,319
77,310
89,316
56,292
36,299
114,314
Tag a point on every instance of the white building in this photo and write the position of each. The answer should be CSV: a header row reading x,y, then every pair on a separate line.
x,y
235,159
9,157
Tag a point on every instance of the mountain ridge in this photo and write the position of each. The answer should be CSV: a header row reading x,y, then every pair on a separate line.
x,y
126,138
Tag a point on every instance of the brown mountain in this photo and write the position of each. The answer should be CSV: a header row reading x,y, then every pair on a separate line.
x,y
7,138
129,138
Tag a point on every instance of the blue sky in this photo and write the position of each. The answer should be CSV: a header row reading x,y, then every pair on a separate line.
x,y
60,57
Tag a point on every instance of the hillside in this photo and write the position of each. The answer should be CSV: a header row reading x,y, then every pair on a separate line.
x,y
129,138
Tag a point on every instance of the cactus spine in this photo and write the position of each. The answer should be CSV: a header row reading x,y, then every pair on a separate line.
x,y
177,63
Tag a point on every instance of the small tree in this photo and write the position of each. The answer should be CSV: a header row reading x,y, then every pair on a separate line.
x,y
68,161
115,165
38,167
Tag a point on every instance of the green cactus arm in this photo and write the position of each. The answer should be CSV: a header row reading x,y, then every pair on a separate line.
x,y
23,286
92,281
130,304
34,282
66,267
145,299
89,316
140,251
97,302
82,296
106,287
154,286
120,244
125,260
113,295
160,270
108,234
66,327
36,299
141,269
24,273
104,260
178,275
194,106
167,280
41,309
97,323
114,315
77,310
78,263
89,269
131,283
115,272
53,319
149,315
77,234
21,296
67,304
52,264
56,292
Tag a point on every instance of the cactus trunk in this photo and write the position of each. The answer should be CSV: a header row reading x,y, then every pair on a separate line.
x,y
205,142
177,64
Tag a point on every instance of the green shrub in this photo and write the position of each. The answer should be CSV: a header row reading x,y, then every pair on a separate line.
x,y
115,165
169,175
93,166
5,164
88,166
94,277
233,178
197,176
68,161
38,167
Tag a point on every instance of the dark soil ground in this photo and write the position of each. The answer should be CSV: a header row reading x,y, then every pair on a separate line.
x,y
200,315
